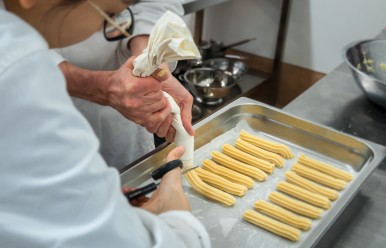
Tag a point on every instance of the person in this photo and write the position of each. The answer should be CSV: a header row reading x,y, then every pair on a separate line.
x,y
57,189
123,113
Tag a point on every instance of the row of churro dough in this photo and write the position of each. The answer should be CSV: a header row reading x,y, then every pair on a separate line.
x,y
310,198
233,169
253,157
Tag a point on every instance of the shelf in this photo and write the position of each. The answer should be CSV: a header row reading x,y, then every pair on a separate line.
x,y
191,6
271,91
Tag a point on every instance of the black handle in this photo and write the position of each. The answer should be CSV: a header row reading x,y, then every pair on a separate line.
x,y
161,171
157,174
237,44
141,191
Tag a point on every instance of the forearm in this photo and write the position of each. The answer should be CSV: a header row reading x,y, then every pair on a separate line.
x,y
86,84
137,44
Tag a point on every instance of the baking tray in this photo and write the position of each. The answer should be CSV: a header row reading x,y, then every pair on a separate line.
x,y
225,224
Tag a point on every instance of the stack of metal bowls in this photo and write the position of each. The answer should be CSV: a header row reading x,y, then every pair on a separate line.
x,y
209,85
367,61
214,80
236,67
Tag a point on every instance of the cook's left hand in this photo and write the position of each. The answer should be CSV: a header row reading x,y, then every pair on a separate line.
x,y
170,195
183,99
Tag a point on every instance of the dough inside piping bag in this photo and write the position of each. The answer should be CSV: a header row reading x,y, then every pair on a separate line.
x,y
170,40
182,138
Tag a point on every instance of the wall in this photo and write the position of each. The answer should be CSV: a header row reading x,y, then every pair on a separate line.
x,y
317,31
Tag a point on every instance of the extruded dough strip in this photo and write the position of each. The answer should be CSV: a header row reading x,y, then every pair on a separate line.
x,y
319,177
294,178
231,175
268,145
248,159
238,166
208,191
325,168
220,182
272,225
283,215
294,205
304,195
260,153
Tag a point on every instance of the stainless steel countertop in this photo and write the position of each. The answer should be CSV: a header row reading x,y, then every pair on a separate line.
x,y
337,101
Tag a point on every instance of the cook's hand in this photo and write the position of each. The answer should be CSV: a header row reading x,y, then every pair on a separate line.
x,y
139,99
184,100
170,194
137,202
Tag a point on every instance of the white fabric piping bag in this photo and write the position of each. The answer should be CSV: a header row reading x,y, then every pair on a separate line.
x,y
170,40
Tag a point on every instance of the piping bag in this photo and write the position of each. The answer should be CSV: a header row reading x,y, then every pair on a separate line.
x,y
170,40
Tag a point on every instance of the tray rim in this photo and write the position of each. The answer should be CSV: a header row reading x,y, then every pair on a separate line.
x,y
318,231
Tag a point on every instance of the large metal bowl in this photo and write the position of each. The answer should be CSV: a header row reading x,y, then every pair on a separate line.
x,y
209,85
236,67
367,61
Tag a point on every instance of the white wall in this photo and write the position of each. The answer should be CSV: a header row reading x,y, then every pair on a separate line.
x,y
317,31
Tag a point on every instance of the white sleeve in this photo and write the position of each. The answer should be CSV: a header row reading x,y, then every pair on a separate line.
x,y
57,190
183,223
147,13
56,57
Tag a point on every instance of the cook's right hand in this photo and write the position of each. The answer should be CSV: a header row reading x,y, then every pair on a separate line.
x,y
139,99
170,194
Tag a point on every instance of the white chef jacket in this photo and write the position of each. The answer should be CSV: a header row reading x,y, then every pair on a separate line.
x,y
56,190
122,141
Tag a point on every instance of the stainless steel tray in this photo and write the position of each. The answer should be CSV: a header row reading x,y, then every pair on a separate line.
x,y
225,224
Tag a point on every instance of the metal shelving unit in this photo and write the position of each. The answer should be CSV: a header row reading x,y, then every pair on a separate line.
x,y
270,86
192,6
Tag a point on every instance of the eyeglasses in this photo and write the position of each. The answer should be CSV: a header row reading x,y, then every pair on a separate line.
x,y
116,26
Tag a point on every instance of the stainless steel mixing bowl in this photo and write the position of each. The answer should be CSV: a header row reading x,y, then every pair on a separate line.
x,y
209,85
367,61
235,67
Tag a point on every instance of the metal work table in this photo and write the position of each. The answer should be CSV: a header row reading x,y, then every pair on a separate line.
x,y
337,101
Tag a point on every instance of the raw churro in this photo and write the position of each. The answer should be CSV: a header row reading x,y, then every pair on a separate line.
x,y
248,159
272,225
207,190
294,178
221,183
294,205
319,177
268,145
304,195
283,215
238,166
260,153
325,168
227,173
